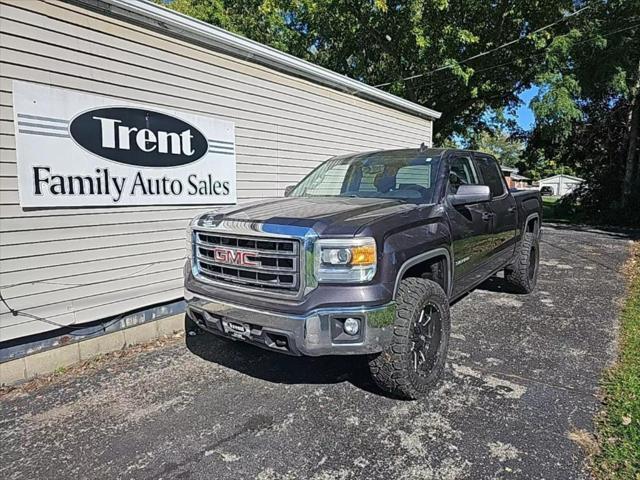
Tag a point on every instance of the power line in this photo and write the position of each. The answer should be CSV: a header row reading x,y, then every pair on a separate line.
x,y
487,52
539,54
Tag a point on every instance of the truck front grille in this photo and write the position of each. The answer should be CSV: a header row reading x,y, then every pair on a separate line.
x,y
261,263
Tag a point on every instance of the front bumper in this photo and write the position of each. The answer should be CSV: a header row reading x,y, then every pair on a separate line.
x,y
315,333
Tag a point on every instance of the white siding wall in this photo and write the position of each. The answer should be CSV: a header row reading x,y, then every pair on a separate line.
x,y
74,266
560,184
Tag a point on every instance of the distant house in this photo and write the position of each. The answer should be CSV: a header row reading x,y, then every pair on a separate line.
x,y
561,184
513,178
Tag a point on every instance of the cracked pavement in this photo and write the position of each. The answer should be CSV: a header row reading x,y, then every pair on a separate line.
x,y
522,375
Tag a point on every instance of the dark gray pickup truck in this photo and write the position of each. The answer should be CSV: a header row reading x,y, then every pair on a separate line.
x,y
364,256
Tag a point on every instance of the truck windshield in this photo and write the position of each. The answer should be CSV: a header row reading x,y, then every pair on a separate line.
x,y
401,174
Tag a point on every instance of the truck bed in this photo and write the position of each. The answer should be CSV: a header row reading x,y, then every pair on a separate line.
x,y
528,201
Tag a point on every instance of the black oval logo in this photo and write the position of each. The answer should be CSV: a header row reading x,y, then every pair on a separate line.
x,y
139,137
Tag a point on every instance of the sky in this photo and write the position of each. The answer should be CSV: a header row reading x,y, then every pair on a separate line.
x,y
524,115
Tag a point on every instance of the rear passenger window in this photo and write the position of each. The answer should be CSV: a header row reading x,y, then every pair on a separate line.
x,y
461,172
491,175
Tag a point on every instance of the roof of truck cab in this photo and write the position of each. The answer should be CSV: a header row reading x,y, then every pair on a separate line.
x,y
431,151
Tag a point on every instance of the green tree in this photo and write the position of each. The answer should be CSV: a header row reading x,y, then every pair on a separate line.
x,y
259,20
503,146
588,111
469,58
383,42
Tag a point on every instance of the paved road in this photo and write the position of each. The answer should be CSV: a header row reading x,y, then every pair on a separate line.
x,y
522,375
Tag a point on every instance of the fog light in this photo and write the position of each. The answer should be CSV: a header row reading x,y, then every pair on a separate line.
x,y
351,326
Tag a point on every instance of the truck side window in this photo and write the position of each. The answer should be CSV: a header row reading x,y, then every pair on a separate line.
x,y
462,172
492,176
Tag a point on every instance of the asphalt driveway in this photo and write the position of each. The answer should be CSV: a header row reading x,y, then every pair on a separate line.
x,y
520,382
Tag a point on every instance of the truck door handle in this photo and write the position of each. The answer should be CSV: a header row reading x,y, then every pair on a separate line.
x,y
486,216
511,209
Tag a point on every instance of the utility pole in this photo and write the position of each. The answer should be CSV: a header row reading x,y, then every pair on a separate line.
x,y
632,142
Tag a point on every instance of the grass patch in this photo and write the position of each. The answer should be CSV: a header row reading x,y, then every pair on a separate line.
x,y
555,209
618,426
569,210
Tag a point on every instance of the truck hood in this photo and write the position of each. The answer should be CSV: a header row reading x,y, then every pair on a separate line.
x,y
325,215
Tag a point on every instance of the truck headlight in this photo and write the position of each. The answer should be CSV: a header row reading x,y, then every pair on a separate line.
x,y
349,260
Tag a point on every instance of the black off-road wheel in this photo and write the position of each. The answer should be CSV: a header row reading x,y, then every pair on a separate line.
x,y
412,364
522,276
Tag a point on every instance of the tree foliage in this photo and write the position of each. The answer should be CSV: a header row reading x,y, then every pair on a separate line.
x,y
384,41
585,110
450,56
259,20
496,141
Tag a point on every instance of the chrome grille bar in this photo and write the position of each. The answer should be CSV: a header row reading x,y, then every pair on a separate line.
x,y
288,269
260,263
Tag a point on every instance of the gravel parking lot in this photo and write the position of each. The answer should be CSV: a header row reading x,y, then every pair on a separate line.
x,y
520,387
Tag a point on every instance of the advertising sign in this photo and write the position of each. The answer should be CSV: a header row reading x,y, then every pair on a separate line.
x,y
80,150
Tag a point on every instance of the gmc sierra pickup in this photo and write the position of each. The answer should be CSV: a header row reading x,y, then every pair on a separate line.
x,y
364,256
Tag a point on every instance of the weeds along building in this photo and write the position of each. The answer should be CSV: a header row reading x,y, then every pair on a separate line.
x,y
120,120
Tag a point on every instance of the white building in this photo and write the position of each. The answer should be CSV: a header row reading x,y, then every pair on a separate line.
x,y
79,264
561,184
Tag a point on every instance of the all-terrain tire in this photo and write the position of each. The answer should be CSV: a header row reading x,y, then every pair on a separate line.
x,y
394,370
522,275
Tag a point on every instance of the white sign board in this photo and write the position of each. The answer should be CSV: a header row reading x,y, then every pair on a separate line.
x,y
79,150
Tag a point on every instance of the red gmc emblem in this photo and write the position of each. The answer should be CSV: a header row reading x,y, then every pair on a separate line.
x,y
234,257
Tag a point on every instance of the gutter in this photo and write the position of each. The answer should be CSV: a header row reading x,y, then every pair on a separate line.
x,y
159,18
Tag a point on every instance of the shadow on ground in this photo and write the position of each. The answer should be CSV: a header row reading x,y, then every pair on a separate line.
x,y
279,368
603,231
496,284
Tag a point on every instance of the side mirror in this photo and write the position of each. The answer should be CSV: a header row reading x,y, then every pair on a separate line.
x,y
468,194
288,189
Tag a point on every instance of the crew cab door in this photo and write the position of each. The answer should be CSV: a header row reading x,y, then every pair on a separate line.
x,y
470,226
504,215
